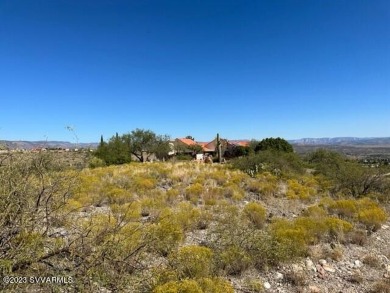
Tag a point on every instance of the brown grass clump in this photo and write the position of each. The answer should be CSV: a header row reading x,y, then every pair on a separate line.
x,y
371,260
382,286
358,237
295,278
356,277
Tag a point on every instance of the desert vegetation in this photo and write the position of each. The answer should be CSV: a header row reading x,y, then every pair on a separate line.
x,y
182,226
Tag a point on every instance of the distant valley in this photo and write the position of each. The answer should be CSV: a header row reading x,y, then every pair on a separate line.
x,y
30,145
348,141
351,146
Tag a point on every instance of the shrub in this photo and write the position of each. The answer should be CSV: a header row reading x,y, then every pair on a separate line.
x,y
219,176
292,239
215,285
237,177
254,186
314,212
184,286
142,183
212,195
345,208
264,184
314,228
187,216
253,286
166,236
232,191
73,204
194,192
96,162
172,195
234,260
382,286
266,251
372,218
204,220
193,261
364,210
118,195
203,285
295,278
358,237
129,211
372,261
256,214
337,227
297,190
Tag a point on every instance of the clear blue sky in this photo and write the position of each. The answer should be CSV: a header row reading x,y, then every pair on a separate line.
x,y
245,69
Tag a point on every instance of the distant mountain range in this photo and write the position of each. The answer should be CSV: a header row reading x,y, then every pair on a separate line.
x,y
343,141
30,145
335,141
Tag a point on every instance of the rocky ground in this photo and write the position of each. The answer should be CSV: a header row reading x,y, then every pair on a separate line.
x,y
330,267
336,268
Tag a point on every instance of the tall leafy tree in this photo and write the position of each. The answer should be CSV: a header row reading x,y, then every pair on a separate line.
x,y
274,144
115,152
144,143
347,175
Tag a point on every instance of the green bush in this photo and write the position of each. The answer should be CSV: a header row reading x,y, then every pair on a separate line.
x,y
166,236
203,285
364,210
193,261
194,192
234,260
256,214
296,190
215,285
292,239
372,218
184,286
277,163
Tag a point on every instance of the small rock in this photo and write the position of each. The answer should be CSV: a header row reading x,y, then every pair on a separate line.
x,y
267,285
314,289
297,268
328,268
388,268
384,227
358,263
322,262
321,272
279,276
310,265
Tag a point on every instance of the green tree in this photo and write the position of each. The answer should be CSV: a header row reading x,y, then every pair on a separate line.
x,y
196,149
115,152
144,143
278,163
237,151
274,144
347,175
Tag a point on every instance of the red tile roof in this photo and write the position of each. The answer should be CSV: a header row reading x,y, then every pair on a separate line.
x,y
187,141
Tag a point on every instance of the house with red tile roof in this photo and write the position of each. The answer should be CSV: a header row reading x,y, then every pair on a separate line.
x,y
185,145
